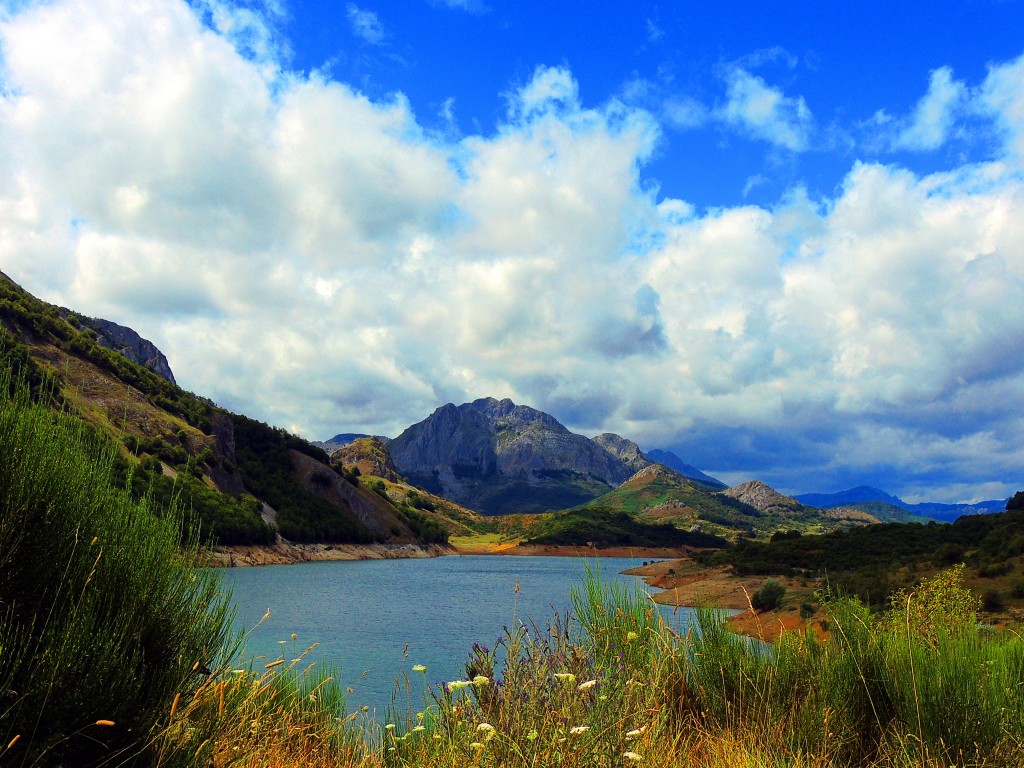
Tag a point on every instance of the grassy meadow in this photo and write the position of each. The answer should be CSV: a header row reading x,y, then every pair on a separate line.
x,y
115,650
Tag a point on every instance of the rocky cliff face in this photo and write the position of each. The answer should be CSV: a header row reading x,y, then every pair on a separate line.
x,y
122,339
494,452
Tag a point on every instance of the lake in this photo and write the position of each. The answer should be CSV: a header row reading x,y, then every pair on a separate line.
x,y
375,619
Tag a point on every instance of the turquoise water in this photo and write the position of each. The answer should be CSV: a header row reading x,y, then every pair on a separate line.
x,y
375,619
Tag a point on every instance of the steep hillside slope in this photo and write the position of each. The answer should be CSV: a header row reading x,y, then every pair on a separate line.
x,y
243,480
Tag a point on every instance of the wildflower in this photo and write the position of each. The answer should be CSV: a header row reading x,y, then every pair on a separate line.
x,y
588,685
631,635
486,727
476,745
456,685
576,730
532,735
419,728
636,732
418,668
389,727
294,636
567,677
479,681
633,757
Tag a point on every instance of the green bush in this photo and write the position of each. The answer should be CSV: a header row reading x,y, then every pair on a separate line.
x,y
103,620
769,596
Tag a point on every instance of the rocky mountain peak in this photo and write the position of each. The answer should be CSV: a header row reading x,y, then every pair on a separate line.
x,y
626,450
371,455
764,498
492,449
655,472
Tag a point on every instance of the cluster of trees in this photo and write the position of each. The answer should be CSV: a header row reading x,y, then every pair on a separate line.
x,y
609,528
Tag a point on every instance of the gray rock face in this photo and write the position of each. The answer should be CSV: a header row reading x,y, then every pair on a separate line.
x,y
627,451
497,436
122,339
491,442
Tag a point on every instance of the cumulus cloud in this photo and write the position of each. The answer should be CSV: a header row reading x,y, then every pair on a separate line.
x,y
317,259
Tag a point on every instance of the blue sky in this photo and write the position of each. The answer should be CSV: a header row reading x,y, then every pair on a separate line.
x,y
780,239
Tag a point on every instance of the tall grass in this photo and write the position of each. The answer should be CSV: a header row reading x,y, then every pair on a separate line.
x,y
103,621
612,685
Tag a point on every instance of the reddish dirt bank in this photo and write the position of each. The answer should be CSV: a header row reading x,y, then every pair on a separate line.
x,y
685,583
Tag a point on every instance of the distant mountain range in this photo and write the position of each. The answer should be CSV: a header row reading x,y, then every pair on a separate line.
x,y
868,498
672,461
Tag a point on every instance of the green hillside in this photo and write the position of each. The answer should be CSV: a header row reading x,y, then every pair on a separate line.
x,y
244,481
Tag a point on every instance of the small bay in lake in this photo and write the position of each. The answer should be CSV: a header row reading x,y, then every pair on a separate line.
x,y
375,619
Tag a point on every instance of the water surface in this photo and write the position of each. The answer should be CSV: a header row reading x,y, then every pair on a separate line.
x,y
375,619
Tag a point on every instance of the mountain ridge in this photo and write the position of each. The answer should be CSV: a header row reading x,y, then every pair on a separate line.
x,y
865,495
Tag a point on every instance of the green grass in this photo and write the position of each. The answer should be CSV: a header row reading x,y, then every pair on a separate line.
x,y
102,617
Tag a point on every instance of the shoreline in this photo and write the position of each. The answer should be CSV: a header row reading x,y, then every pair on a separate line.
x,y
289,553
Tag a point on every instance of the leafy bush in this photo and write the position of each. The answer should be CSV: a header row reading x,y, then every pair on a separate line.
x,y
769,596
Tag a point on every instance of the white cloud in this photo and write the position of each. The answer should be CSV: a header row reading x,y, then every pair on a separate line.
x,y
317,259
765,112
933,118
1002,98
683,112
549,88
365,24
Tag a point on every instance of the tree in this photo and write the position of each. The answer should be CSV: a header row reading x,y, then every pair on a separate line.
x,y
769,596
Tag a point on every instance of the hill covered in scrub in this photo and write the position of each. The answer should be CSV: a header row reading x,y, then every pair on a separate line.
x,y
244,481
873,561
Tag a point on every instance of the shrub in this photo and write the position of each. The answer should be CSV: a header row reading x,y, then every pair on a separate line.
x,y
769,596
